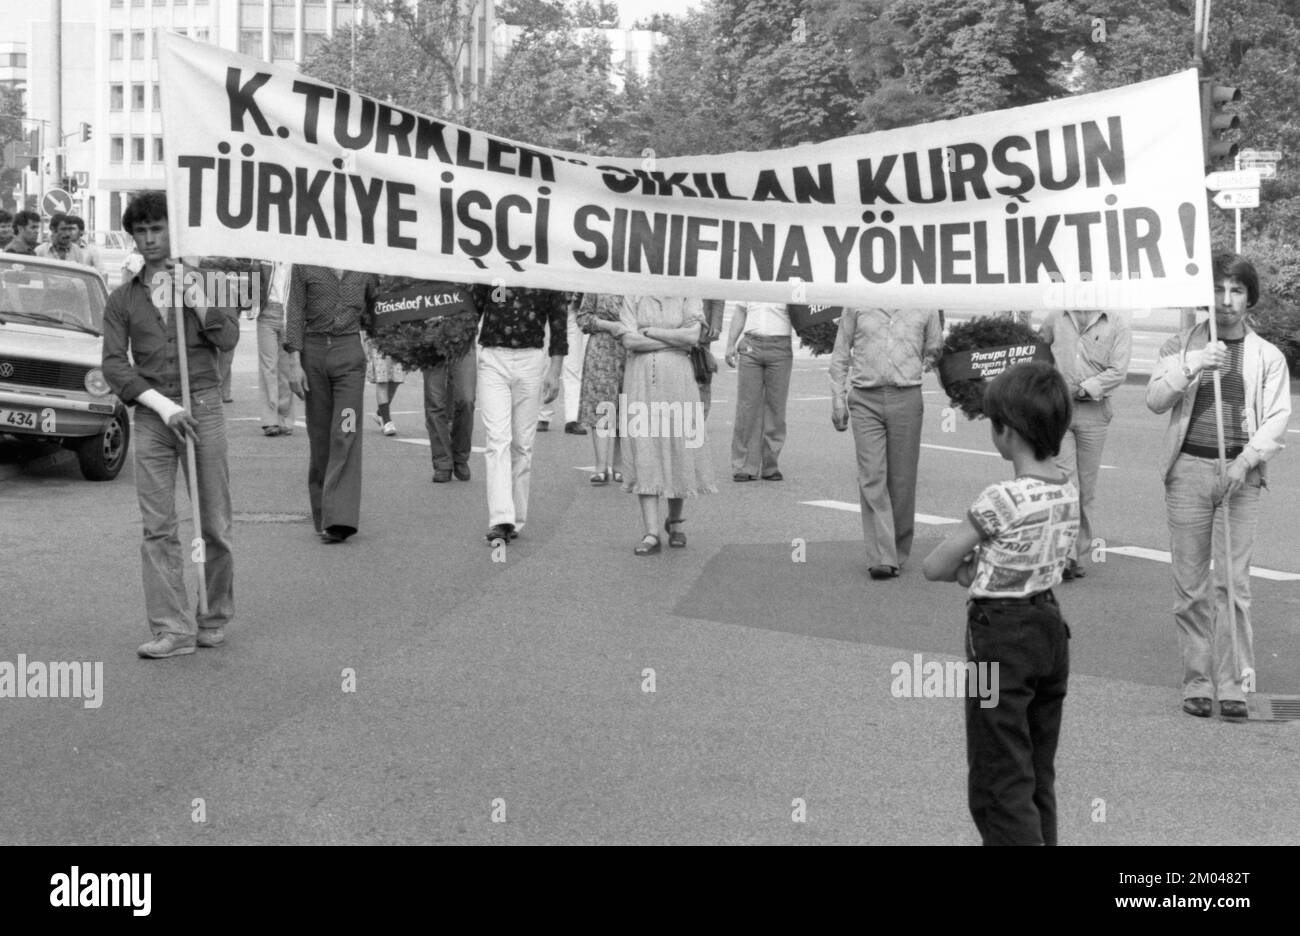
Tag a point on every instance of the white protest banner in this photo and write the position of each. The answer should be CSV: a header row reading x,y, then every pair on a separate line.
x,y
1094,201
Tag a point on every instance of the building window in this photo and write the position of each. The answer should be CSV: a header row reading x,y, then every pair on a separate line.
x,y
157,98
137,45
115,97
157,149
159,2
311,42
283,14
314,16
137,3
115,3
116,42
251,13
201,34
117,152
282,46
137,149
250,42
137,97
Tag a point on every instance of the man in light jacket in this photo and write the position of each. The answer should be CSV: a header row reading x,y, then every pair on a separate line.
x,y
1256,391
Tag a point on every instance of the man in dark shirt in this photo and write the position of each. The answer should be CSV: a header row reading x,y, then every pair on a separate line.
x,y
322,333
142,366
512,367
27,233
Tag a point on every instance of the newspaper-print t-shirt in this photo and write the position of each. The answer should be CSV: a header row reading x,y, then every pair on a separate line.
x,y
1029,526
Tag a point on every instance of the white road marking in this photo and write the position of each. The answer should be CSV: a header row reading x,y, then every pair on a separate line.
x,y
949,448
855,508
1136,552
1159,555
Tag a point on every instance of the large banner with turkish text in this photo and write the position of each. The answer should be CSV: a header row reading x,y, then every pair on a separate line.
x,y
1093,201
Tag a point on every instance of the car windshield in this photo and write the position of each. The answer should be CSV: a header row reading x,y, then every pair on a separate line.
x,y
56,298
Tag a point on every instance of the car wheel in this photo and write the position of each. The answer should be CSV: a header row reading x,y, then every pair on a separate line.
x,y
102,456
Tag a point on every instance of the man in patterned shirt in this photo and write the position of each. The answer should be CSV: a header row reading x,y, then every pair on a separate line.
x,y
514,379
1256,390
322,333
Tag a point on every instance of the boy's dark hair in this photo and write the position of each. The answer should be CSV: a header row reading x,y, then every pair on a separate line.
x,y
78,221
1032,399
6,221
24,218
56,219
1235,266
144,208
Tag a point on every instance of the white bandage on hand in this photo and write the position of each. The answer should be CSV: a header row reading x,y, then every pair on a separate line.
x,y
1192,360
160,404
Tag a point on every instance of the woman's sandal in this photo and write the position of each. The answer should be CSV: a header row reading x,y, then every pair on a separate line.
x,y
600,477
676,538
645,547
617,476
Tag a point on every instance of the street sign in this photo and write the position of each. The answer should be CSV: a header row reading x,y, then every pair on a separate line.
x,y
1270,155
1237,198
1238,179
56,200
83,179
1266,170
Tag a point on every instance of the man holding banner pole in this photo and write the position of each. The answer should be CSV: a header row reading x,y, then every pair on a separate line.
x,y
1221,434
145,362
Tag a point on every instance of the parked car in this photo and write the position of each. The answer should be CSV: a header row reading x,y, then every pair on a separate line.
x,y
51,348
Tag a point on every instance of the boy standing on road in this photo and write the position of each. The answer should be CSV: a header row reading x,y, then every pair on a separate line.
x,y
139,320
1010,551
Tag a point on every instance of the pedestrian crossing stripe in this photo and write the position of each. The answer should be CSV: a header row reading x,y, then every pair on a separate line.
x,y
425,442
854,508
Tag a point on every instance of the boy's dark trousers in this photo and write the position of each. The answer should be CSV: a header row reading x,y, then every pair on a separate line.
x,y
1010,748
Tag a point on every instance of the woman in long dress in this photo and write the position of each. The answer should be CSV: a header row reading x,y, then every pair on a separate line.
x,y
664,446
602,379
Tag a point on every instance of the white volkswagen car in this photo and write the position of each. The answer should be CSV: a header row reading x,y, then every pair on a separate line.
x,y
51,349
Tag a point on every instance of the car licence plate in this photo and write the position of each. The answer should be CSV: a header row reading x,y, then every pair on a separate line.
x,y
21,419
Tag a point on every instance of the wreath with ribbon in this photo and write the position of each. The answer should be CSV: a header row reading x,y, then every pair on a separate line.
x,y
419,343
988,333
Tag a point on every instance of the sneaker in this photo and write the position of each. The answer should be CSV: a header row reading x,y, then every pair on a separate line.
x,y
168,645
441,475
1233,709
574,428
390,429
461,472
210,637
1200,706
543,426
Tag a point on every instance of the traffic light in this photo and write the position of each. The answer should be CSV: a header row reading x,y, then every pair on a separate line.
x,y
87,131
1215,123
70,185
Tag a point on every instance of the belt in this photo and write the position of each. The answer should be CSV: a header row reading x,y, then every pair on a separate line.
x,y
330,334
1039,598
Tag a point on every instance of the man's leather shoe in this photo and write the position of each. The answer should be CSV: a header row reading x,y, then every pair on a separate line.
x,y
336,534
503,532
168,645
461,472
1200,707
543,426
743,477
441,475
210,637
1233,708
573,428
883,572
1073,571
774,476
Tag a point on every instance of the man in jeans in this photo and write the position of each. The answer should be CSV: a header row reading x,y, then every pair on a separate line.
x,y
274,365
1091,349
760,342
142,366
1256,393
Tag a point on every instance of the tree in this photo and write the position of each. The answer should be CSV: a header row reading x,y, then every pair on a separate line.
x,y
384,63
12,130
